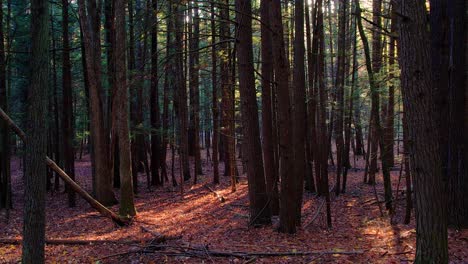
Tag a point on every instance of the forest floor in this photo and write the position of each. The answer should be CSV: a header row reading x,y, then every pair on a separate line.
x,y
205,224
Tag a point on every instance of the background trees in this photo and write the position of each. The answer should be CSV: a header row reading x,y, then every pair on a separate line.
x,y
287,90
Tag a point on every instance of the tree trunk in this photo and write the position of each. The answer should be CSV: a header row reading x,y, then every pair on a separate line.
x,y
154,101
5,176
194,67
89,19
214,101
299,109
420,109
281,65
375,116
127,207
36,147
259,210
181,90
271,174
67,123
458,111
340,82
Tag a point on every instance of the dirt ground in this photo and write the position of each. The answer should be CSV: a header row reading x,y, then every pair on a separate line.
x,y
204,223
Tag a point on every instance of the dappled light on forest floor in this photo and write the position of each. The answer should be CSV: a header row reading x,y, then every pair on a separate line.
x,y
201,220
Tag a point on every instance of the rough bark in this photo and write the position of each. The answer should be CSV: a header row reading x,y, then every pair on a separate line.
x,y
89,19
214,98
154,101
181,90
281,67
127,207
340,81
36,147
424,146
194,80
5,176
299,109
457,168
259,210
67,123
271,174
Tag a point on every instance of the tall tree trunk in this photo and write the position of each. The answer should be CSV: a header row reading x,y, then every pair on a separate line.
x,y
67,123
420,109
259,210
340,82
281,65
375,112
390,111
299,109
194,68
168,82
375,100
214,101
36,147
127,207
89,19
227,114
458,103
271,174
154,101
5,176
181,90
311,147
322,114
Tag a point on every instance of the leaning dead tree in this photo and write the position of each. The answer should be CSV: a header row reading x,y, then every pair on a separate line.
x,y
71,183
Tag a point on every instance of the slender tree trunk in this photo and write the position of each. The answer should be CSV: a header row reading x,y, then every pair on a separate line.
x,y
67,123
194,79
214,101
271,174
154,101
390,112
259,210
420,109
89,19
340,82
299,109
281,65
5,176
311,105
181,90
36,147
127,207
321,122
458,112
379,137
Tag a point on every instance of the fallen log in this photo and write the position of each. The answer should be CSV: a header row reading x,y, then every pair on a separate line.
x,y
71,183
17,241
217,195
204,253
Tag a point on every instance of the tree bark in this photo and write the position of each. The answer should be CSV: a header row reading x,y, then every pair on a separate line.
x,y
67,123
89,19
271,174
424,144
127,207
214,98
154,101
181,90
259,210
5,175
36,147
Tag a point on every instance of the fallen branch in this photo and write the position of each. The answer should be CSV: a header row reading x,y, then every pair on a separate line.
x,y
316,214
217,195
71,183
17,241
